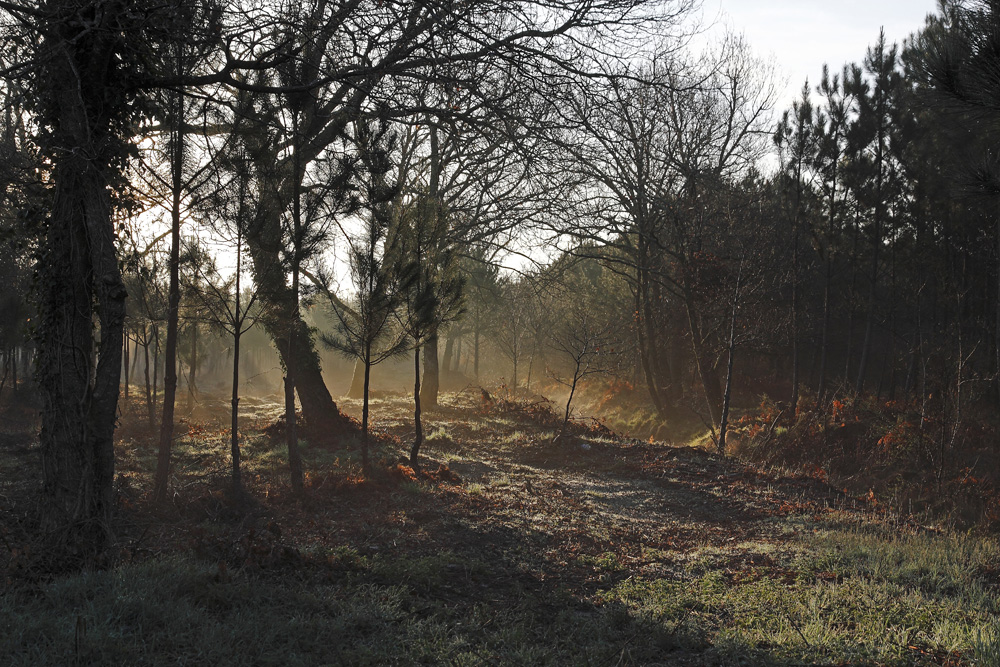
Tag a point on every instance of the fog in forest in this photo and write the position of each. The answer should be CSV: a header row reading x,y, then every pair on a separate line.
x,y
500,333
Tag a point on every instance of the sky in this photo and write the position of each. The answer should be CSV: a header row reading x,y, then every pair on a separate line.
x,y
802,35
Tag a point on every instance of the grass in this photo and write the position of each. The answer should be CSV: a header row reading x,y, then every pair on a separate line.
x,y
843,594
632,554
381,611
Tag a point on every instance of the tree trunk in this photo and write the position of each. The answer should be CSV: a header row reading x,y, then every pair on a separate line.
x,y
292,316
475,349
79,269
724,421
234,447
709,379
645,335
156,362
449,351
193,370
125,363
150,411
318,407
162,477
432,380
365,464
264,243
418,437
357,389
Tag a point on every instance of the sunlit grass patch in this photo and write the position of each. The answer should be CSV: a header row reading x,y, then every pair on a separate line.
x,y
842,594
500,481
514,438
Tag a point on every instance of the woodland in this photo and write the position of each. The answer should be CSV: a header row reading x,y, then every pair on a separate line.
x,y
498,332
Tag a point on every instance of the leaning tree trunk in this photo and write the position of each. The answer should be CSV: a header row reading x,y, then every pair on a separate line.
x,y
318,408
79,269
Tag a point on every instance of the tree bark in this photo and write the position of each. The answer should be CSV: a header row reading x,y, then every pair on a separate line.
x,y
431,382
193,370
709,378
79,269
367,363
418,437
357,389
318,407
449,353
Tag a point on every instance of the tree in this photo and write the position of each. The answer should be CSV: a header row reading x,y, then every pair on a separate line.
x,y
366,332
585,344
341,78
434,292
510,322
482,280
232,307
796,134
174,111
658,146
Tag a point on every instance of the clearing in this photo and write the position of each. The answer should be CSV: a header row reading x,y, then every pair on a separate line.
x,y
509,549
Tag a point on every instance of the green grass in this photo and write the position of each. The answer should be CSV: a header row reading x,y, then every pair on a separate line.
x,y
844,595
369,612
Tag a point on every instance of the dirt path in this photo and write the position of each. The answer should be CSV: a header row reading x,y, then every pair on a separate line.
x,y
576,510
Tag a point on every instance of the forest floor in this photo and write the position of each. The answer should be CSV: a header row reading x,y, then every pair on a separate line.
x,y
508,549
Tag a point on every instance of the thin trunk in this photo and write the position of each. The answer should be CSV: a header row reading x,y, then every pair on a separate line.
x,y
125,364
569,402
156,364
135,356
795,287
6,371
724,422
234,445
645,335
513,381
150,410
852,293
876,245
365,464
709,380
449,352
475,350
291,427
162,476
531,364
193,370
828,282
418,438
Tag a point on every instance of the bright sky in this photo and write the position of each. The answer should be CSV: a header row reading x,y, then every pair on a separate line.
x,y
802,35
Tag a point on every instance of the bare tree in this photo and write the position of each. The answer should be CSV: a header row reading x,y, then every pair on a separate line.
x,y
586,345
